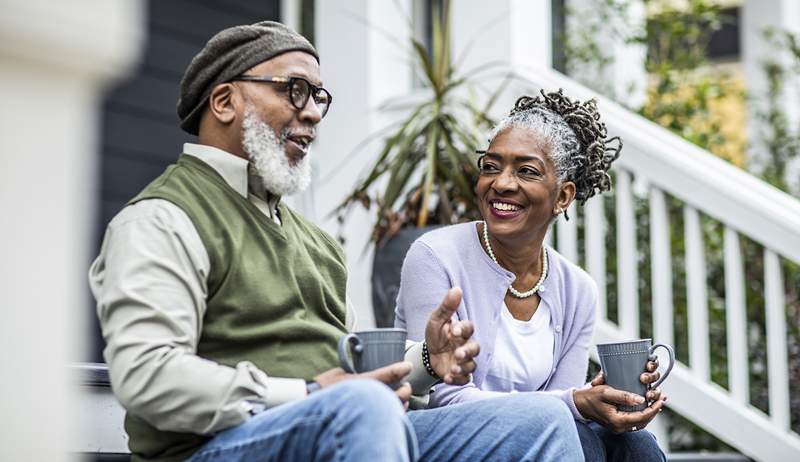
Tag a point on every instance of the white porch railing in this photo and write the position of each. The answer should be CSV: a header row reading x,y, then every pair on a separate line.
x,y
744,206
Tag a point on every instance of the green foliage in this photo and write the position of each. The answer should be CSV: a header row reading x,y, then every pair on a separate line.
x,y
425,171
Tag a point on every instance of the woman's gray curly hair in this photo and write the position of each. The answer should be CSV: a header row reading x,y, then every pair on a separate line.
x,y
579,146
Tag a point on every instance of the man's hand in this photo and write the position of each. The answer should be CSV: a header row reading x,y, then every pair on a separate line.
x,y
452,353
391,374
599,403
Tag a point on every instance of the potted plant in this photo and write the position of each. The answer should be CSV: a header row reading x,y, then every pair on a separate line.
x,y
425,172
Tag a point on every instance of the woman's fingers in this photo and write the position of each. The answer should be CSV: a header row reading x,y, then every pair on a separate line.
x,y
654,395
621,397
466,352
462,329
649,377
633,421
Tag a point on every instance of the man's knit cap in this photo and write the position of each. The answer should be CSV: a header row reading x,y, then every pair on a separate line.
x,y
227,55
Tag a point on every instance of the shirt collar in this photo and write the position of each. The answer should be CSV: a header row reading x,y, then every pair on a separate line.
x,y
233,169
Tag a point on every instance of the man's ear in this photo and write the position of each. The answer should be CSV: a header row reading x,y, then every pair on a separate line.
x,y
221,103
566,194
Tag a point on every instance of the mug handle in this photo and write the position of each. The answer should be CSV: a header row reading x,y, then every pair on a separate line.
x,y
344,358
671,354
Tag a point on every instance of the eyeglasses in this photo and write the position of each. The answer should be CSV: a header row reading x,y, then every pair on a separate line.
x,y
300,90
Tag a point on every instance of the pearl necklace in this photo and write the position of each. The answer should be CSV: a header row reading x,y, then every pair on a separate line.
x,y
511,288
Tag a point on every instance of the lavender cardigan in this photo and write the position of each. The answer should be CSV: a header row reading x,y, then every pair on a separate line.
x,y
453,257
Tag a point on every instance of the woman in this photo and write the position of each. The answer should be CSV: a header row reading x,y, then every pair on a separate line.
x,y
532,309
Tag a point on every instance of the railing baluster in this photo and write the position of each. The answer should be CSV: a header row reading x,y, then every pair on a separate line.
x,y
568,235
696,293
736,319
776,340
627,270
661,269
595,241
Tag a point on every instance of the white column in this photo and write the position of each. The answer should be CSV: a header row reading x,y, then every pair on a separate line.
x,y
624,78
513,33
364,54
56,58
758,15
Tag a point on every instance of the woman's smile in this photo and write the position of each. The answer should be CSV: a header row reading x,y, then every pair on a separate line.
x,y
505,209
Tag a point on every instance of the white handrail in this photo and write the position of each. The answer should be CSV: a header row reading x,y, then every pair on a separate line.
x,y
685,171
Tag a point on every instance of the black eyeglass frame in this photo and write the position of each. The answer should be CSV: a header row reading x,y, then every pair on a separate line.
x,y
292,81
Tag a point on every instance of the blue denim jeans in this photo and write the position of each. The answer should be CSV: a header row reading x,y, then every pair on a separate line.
x,y
601,445
516,427
361,420
352,420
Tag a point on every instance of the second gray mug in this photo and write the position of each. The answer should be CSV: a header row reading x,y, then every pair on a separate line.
x,y
623,362
371,349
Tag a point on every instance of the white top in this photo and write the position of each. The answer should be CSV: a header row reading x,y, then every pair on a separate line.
x,y
523,352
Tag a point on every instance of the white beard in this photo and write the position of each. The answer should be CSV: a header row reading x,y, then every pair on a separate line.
x,y
268,157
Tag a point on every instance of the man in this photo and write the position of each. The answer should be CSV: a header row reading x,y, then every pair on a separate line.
x,y
221,307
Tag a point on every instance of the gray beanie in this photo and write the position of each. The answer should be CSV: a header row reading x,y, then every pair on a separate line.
x,y
227,55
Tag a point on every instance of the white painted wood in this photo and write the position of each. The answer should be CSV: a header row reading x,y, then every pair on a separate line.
x,y
627,269
661,269
595,242
696,294
57,59
568,235
709,406
778,365
736,319
683,170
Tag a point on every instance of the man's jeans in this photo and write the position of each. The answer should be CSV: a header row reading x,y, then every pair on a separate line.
x,y
360,420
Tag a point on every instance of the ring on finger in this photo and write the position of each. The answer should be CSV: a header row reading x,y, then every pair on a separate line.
x,y
634,428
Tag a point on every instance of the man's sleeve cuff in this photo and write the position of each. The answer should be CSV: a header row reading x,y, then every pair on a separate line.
x,y
282,391
421,382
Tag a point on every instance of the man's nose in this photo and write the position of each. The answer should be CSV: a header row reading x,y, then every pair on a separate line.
x,y
311,112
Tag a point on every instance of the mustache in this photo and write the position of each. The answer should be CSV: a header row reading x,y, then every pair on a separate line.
x,y
288,132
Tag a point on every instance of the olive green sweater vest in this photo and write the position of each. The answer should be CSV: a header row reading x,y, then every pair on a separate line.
x,y
276,293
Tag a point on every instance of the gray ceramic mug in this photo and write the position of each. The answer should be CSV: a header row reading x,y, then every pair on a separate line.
x,y
624,362
372,349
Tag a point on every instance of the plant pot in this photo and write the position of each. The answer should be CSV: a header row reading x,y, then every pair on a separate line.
x,y
386,267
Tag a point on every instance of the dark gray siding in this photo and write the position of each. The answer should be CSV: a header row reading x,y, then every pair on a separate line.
x,y
139,133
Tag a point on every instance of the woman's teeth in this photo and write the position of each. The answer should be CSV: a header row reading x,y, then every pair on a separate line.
x,y
505,207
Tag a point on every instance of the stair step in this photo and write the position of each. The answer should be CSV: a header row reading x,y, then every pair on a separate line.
x,y
706,457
